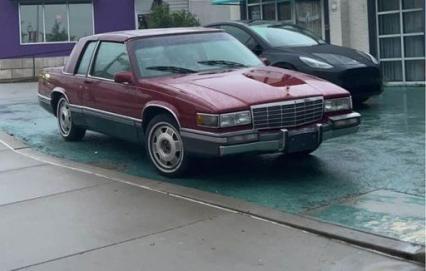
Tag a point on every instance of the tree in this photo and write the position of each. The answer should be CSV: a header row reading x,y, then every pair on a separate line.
x,y
56,34
162,17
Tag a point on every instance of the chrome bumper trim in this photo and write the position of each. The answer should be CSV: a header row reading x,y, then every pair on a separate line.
x,y
259,146
352,115
273,142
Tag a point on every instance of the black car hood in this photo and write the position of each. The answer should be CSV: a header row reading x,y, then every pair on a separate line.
x,y
335,55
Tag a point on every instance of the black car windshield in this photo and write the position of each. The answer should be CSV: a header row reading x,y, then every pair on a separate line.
x,y
190,53
286,36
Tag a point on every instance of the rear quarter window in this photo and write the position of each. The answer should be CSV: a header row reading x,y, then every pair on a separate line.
x,y
84,61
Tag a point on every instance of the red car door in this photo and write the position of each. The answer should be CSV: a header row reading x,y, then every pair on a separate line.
x,y
112,108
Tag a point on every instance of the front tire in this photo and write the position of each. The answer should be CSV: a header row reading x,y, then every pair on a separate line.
x,y
68,130
165,146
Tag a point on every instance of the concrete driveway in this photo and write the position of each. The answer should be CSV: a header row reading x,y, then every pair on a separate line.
x,y
62,216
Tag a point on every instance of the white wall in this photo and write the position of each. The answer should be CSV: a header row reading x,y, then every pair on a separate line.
x,y
349,23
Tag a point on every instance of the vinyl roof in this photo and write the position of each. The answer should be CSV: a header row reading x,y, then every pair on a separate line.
x,y
130,34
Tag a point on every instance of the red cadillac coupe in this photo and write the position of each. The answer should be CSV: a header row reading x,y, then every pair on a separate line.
x,y
191,91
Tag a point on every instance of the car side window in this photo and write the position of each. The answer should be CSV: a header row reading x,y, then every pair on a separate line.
x,y
241,35
84,62
111,58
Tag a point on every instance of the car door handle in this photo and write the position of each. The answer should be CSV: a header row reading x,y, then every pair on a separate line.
x,y
88,81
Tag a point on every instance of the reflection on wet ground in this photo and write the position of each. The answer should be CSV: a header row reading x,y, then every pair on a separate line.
x,y
340,183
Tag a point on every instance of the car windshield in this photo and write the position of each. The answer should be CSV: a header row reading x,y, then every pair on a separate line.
x,y
190,53
286,36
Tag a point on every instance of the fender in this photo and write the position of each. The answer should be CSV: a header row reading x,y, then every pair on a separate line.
x,y
163,105
61,91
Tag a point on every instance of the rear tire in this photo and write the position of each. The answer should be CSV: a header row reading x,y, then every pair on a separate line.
x,y
165,146
68,130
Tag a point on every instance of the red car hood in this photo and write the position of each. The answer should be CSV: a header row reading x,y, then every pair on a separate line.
x,y
242,88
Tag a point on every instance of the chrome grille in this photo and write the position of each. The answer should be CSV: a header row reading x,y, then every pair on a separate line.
x,y
287,114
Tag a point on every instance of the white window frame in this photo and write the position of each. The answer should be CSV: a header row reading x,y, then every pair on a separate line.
x,y
401,36
44,24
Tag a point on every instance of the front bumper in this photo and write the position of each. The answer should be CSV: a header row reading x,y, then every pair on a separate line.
x,y
285,140
362,82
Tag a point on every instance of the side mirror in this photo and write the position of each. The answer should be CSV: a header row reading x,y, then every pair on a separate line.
x,y
123,78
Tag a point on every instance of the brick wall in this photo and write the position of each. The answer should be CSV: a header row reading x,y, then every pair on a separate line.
x,y
22,69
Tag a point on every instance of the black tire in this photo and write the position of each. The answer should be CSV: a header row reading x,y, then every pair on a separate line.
x,y
165,146
302,154
68,130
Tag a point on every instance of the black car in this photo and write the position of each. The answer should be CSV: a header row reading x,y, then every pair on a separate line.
x,y
292,47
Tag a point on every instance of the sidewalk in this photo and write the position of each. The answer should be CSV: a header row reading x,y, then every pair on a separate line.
x,y
58,218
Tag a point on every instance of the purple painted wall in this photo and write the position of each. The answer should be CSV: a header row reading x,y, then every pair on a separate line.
x,y
110,15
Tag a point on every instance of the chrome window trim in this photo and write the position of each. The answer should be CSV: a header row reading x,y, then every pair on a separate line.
x,y
227,134
95,56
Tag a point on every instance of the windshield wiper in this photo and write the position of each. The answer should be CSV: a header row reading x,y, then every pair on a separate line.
x,y
222,62
173,69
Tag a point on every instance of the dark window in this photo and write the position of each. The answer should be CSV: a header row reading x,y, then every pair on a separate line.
x,y
254,13
81,23
111,58
388,5
56,22
268,11
83,66
415,70
59,22
284,11
392,71
32,23
408,4
389,24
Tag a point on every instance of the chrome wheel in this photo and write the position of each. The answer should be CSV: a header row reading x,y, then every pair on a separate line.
x,y
165,147
64,117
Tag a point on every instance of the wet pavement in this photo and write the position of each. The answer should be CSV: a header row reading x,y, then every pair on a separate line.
x,y
371,181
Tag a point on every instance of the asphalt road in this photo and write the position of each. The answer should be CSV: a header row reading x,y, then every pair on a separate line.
x,y
372,181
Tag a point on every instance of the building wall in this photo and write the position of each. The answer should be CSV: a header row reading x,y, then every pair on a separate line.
x,y
208,13
109,15
349,23
23,61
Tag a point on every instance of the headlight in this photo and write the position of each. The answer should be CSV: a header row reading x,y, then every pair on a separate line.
x,y
370,56
339,104
235,119
314,63
373,59
224,120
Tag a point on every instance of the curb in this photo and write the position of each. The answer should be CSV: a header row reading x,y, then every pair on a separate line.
x,y
389,246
